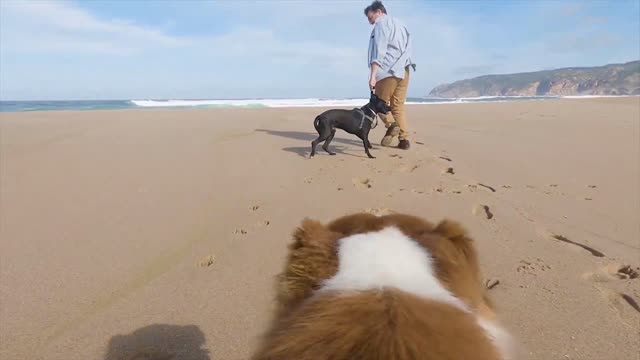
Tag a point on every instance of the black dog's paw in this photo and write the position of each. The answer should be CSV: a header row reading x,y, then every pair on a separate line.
x,y
371,157
332,154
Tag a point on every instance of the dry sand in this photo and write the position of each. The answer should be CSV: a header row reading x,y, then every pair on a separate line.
x,y
161,231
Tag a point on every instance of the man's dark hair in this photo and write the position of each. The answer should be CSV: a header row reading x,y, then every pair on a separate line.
x,y
375,6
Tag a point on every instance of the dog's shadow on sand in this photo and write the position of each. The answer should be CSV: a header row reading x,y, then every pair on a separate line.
x,y
159,342
304,151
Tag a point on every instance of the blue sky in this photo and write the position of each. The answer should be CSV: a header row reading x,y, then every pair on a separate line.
x,y
166,49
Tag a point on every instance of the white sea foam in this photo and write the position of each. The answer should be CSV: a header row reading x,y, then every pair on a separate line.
x,y
317,102
272,103
596,96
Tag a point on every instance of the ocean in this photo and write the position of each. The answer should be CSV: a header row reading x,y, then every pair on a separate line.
x,y
21,106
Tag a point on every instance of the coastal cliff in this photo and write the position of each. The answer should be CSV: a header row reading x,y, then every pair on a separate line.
x,y
613,79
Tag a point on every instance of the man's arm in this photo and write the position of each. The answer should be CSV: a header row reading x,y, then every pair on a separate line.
x,y
381,41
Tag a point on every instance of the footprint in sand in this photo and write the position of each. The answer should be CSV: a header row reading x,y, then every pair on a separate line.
x,y
612,272
445,158
240,232
395,156
255,207
308,180
482,210
264,223
206,261
448,170
592,186
362,183
506,186
410,168
532,267
564,239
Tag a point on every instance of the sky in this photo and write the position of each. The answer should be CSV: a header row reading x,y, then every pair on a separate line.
x,y
229,49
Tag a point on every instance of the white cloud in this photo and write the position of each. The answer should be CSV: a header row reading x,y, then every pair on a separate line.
x,y
55,26
61,27
264,47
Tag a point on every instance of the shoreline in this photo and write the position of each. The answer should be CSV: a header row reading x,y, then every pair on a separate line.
x,y
288,103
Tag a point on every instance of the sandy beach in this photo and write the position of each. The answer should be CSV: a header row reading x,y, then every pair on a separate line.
x,y
160,231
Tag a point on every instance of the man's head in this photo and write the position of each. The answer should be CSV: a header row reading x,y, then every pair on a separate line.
x,y
374,11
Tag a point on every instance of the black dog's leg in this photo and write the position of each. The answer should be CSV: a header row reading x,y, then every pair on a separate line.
x,y
366,136
324,135
325,146
367,144
315,143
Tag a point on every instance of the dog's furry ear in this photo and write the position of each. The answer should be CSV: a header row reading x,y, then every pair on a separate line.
x,y
450,229
463,265
312,259
307,233
457,235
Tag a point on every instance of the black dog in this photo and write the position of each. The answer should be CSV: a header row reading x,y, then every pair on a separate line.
x,y
357,122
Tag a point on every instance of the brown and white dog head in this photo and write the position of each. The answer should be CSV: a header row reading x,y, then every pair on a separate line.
x,y
390,287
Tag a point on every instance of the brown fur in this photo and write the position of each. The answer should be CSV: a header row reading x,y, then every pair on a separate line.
x,y
312,259
388,324
377,325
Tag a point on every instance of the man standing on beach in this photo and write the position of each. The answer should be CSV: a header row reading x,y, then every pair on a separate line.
x,y
389,61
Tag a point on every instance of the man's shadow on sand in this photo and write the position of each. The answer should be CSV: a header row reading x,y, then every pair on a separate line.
x,y
308,137
159,342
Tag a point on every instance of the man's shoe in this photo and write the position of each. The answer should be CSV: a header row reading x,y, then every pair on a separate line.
x,y
392,131
404,144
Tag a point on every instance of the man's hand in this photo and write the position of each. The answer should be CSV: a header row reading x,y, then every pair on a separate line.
x,y
372,75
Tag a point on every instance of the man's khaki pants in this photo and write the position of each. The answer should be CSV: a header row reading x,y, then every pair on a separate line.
x,y
393,90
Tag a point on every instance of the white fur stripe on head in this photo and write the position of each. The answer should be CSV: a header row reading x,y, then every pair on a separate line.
x,y
388,258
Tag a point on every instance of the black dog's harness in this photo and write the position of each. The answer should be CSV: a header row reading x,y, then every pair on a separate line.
x,y
373,119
